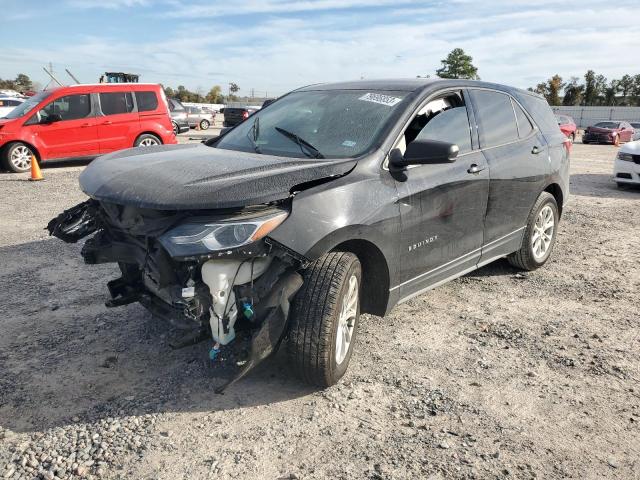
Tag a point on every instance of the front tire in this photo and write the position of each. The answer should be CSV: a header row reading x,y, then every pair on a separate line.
x,y
324,319
616,141
204,124
17,157
147,140
539,234
176,129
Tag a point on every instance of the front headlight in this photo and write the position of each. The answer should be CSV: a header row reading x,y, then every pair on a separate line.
x,y
190,239
627,157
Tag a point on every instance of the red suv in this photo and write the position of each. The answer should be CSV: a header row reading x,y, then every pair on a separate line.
x,y
84,121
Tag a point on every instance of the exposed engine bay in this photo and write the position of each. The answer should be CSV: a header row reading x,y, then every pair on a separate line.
x,y
212,274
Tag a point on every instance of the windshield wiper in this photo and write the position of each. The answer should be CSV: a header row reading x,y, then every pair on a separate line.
x,y
301,142
254,133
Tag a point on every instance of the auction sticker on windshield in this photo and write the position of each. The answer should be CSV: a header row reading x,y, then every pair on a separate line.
x,y
387,100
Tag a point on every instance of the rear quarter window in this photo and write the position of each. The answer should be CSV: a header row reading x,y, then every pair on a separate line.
x,y
146,101
541,113
496,118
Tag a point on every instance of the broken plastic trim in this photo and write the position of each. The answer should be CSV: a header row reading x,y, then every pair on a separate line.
x,y
75,223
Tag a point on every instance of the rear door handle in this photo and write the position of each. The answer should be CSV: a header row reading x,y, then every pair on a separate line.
x,y
85,125
536,150
475,169
108,122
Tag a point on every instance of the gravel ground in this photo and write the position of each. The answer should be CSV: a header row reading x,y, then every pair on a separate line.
x,y
498,374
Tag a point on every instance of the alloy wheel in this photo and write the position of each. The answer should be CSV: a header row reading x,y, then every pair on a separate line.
x,y
148,142
347,319
20,157
543,232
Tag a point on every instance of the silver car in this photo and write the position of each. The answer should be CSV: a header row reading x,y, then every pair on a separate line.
x,y
200,117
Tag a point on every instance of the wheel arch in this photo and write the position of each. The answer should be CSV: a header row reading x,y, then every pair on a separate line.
x,y
556,190
375,274
148,132
33,148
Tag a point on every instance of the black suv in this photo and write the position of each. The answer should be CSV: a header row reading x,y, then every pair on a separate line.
x,y
338,199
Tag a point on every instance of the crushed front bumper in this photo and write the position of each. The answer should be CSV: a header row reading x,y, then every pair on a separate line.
x,y
248,290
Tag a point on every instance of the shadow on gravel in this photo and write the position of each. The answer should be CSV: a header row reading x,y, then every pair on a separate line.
x,y
497,268
49,165
64,357
600,185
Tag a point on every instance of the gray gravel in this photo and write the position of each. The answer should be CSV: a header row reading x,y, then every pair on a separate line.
x,y
499,374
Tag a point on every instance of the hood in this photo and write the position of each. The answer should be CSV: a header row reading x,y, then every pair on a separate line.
x,y
632,147
602,130
194,176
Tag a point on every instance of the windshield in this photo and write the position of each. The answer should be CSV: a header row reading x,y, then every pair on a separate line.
x,y
28,105
607,125
316,124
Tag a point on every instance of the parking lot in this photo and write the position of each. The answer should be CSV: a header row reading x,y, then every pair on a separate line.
x,y
498,374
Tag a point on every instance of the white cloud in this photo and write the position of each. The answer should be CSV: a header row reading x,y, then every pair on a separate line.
x,y
520,45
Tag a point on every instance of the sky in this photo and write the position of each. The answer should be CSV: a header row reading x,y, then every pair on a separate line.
x,y
273,46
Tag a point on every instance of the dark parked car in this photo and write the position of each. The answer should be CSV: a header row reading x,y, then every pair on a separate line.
x,y
336,200
179,116
235,115
567,126
608,132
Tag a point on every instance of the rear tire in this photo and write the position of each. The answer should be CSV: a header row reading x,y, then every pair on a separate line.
x,y
204,124
324,319
17,157
539,234
573,137
147,140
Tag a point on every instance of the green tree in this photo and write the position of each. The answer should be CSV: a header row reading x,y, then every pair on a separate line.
x,y
590,89
625,85
573,92
23,83
458,65
635,91
610,92
233,88
215,95
554,86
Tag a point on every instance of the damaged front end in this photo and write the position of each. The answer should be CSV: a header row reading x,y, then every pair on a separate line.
x,y
210,273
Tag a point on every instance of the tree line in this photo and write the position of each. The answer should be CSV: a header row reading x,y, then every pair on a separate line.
x,y
214,95
22,83
595,90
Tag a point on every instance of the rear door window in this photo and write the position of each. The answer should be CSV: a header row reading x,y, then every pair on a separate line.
x,y
524,125
114,103
146,101
496,118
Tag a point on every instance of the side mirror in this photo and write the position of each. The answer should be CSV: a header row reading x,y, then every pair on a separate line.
x,y
420,152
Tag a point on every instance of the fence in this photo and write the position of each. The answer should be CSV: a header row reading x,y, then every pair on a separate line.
x,y
587,116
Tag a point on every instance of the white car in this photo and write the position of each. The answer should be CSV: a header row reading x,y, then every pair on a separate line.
x,y
9,103
626,169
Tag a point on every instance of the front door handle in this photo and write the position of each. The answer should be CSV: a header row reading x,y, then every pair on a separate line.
x,y
536,150
475,169
108,122
85,125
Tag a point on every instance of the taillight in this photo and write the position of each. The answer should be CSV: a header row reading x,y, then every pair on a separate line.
x,y
245,115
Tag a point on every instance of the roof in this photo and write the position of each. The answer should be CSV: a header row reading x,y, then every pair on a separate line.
x,y
412,85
